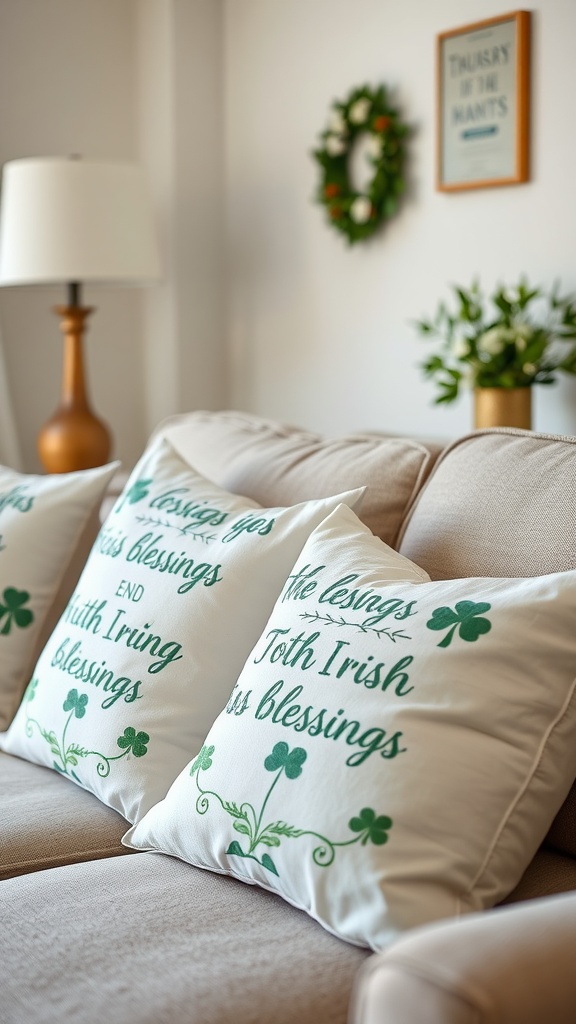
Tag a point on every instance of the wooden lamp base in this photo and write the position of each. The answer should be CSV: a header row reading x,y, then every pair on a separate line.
x,y
73,438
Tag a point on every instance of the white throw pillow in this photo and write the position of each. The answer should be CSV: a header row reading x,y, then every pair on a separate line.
x,y
393,752
41,521
175,593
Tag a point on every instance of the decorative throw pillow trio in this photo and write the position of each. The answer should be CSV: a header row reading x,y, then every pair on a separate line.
x,y
277,695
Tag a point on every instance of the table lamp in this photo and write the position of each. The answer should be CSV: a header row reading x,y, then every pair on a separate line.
x,y
70,221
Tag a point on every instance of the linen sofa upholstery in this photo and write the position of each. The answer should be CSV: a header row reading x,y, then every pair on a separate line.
x,y
161,941
281,465
150,939
482,969
46,822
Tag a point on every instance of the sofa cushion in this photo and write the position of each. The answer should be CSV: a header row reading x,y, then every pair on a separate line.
x,y
281,465
395,749
175,593
45,822
500,503
42,519
149,940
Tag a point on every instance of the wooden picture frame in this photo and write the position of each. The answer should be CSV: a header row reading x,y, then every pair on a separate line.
x,y
483,103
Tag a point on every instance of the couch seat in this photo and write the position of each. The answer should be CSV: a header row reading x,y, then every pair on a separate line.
x,y
46,820
151,940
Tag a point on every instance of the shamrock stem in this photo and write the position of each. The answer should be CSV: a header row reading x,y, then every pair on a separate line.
x,y
447,639
256,839
63,754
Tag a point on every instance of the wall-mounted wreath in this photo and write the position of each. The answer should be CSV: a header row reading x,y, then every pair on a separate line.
x,y
359,214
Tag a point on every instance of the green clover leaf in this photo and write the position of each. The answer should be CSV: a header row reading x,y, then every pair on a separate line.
x,y
290,762
13,610
467,616
375,828
204,760
31,691
136,742
139,490
76,702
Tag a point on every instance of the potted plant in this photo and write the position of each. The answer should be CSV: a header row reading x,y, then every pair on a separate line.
x,y
500,346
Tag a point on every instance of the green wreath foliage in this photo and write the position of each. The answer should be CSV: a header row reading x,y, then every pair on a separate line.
x,y
357,215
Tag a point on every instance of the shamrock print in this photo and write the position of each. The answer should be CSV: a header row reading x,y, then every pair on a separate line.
x,y
139,490
76,702
282,758
13,611
374,829
136,742
467,618
203,761
250,823
68,754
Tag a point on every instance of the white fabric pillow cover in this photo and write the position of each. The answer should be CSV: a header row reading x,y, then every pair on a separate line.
x,y
393,752
41,520
175,593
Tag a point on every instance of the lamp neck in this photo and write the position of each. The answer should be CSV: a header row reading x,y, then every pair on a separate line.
x,y
74,293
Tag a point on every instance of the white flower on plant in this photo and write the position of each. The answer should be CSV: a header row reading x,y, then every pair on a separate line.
x,y
461,348
335,145
468,378
492,342
336,123
359,110
522,335
374,146
361,210
511,295
529,369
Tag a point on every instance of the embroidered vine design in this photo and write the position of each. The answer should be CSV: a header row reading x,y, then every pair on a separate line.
x,y
330,620
283,762
467,618
12,610
68,754
186,531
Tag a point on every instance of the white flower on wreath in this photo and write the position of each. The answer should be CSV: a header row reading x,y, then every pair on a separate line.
x,y
335,145
361,210
336,123
374,146
359,110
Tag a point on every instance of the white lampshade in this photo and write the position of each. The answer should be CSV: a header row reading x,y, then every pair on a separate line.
x,y
75,220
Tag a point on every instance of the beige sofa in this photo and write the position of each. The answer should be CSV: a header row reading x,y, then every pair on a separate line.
x,y
91,932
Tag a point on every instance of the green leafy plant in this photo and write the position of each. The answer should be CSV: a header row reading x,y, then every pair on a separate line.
x,y
516,337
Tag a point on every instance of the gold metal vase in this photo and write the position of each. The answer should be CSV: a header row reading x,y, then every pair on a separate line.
x,y
503,407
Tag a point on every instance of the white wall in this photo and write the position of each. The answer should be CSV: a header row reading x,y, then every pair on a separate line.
x,y
319,332
223,101
67,86
138,80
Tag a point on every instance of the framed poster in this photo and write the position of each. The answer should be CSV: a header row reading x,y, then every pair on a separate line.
x,y
483,103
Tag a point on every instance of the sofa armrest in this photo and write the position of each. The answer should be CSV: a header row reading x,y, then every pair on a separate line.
x,y
512,965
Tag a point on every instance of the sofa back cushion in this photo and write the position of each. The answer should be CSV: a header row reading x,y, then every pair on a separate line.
x,y
500,503
282,465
